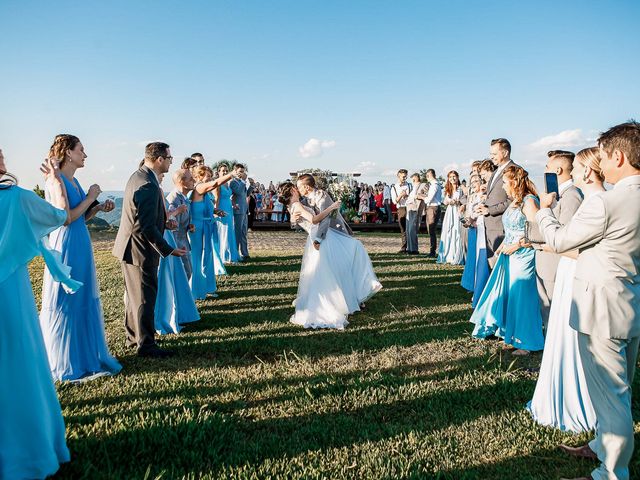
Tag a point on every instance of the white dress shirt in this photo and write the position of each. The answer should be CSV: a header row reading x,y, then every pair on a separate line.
x,y
497,173
434,196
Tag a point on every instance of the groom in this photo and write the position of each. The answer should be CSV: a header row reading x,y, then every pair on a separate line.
x,y
606,295
320,200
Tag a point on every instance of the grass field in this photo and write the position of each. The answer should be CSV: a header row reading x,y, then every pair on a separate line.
x,y
404,392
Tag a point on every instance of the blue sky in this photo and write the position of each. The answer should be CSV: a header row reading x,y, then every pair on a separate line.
x,y
370,86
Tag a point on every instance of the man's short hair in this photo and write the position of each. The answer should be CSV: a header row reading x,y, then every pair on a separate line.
x,y
238,166
178,175
564,157
403,170
197,154
431,171
188,162
308,180
154,150
624,137
503,143
415,175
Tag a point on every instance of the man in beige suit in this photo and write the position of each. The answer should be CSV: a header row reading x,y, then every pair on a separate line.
x,y
606,295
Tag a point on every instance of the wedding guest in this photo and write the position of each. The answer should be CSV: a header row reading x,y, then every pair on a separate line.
x,y
469,223
605,308
399,193
180,207
199,158
175,305
561,163
73,325
225,224
497,200
414,204
378,198
386,200
32,432
253,209
509,306
188,163
561,398
363,208
432,203
450,248
277,207
240,188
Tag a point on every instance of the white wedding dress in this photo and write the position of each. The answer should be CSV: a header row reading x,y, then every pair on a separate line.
x,y
334,280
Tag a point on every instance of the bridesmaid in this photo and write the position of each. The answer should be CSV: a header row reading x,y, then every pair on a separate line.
x,y
224,224
32,432
450,248
73,325
561,398
469,273
509,305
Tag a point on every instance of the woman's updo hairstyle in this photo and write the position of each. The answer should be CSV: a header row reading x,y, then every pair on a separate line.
x,y
521,185
285,191
590,157
201,171
61,144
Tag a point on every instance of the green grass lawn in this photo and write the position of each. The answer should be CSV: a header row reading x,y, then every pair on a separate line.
x,y
404,392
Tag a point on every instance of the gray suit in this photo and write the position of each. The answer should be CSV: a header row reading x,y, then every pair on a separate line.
x,y
139,245
606,310
320,200
240,214
497,202
547,263
177,199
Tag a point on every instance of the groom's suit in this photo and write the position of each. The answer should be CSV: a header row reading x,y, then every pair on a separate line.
x,y
320,200
606,311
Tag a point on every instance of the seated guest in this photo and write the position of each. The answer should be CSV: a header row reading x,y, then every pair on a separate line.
x,y
415,202
450,248
509,306
178,200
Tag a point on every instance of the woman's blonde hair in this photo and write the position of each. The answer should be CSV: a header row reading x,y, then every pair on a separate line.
x,y
590,157
200,171
521,185
61,144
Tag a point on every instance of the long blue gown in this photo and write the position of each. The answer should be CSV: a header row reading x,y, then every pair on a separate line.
x,y
175,305
469,272
203,278
32,431
482,270
226,231
73,325
509,306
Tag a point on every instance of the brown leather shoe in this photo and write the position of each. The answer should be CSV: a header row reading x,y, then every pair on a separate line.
x,y
583,451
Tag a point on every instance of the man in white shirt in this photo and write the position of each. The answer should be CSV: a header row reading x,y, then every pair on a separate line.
x,y
432,204
399,193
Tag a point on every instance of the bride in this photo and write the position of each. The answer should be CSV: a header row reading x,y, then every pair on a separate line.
x,y
336,276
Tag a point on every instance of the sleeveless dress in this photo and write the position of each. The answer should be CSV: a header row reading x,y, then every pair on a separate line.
x,y
334,280
32,431
175,305
73,325
203,278
509,306
450,249
226,230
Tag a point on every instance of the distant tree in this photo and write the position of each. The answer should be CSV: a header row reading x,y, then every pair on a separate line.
x,y
39,191
229,163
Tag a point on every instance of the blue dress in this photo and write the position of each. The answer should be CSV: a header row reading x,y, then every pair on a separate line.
x,y
509,306
73,325
203,278
482,262
469,273
450,248
32,431
226,231
175,305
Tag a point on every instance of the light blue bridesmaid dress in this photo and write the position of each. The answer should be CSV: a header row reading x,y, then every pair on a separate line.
x,y
469,272
509,306
73,325
226,231
218,263
203,278
450,248
32,431
175,305
482,263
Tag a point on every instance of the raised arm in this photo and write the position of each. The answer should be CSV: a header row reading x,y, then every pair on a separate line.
x,y
205,187
315,219
51,171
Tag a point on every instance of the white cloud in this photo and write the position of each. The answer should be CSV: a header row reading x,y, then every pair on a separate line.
x,y
315,147
564,139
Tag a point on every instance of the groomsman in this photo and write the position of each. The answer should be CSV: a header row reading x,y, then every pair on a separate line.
x,y
178,201
240,191
606,295
139,245
561,163
399,193
497,201
432,203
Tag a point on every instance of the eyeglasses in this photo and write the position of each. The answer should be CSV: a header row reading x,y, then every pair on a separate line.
x,y
168,158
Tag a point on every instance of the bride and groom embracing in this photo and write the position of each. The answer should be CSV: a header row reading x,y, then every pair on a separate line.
x,y
336,276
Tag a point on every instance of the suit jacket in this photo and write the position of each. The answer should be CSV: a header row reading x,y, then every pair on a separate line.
x,y
564,210
240,192
417,205
320,200
177,199
140,239
606,288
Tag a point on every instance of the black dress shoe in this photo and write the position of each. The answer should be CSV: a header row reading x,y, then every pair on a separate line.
x,y
432,255
413,253
155,352
402,252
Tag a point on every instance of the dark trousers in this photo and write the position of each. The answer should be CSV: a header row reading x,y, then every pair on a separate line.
x,y
141,289
388,212
402,221
433,215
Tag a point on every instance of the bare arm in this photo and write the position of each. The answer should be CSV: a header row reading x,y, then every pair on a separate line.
x,y
205,187
315,219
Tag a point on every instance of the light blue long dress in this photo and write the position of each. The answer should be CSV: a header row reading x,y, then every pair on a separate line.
x,y
226,231
73,325
469,273
218,263
450,249
32,432
203,278
509,306
482,263
175,305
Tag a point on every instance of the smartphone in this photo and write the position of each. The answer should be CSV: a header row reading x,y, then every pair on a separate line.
x,y
551,183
